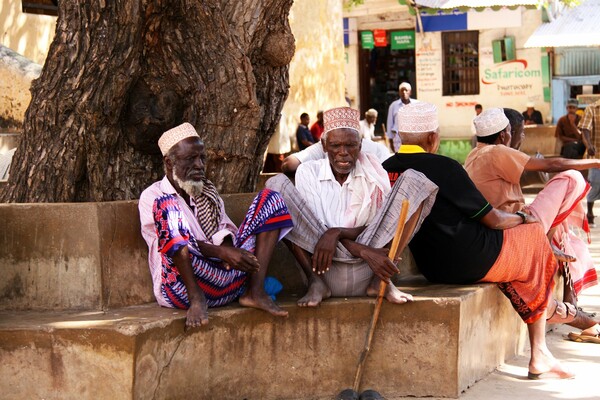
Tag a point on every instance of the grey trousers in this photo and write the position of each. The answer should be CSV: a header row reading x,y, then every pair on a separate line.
x,y
349,276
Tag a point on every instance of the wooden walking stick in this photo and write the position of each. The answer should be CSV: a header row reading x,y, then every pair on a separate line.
x,y
382,287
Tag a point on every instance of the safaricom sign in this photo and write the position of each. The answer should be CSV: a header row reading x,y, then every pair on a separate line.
x,y
509,70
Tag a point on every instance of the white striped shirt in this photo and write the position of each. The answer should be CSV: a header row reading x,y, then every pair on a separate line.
x,y
352,204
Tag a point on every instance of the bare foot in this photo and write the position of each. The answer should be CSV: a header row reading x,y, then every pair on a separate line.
x,y
317,292
392,294
262,302
197,315
546,366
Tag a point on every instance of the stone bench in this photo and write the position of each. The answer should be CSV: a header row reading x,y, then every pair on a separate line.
x,y
77,315
438,345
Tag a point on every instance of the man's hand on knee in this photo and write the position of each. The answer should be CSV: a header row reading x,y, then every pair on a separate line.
x,y
239,259
379,262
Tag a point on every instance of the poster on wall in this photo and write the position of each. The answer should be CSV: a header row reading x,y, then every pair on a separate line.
x,y
403,40
380,36
366,40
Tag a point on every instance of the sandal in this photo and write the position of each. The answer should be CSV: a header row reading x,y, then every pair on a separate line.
x,y
581,338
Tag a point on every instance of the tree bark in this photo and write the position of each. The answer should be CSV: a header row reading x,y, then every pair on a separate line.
x,y
121,72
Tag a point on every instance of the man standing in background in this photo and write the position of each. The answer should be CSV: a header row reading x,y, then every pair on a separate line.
x,y
590,130
404,90
303,136
316,130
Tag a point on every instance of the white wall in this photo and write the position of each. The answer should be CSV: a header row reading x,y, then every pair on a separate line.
x,y
28,34
456,112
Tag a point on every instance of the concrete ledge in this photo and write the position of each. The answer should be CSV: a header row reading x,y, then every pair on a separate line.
x,y
73,256
437,346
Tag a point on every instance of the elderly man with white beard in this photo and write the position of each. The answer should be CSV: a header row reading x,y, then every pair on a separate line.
x,y
197,257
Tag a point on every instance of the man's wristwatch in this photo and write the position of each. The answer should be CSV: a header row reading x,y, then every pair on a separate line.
x,y
522,215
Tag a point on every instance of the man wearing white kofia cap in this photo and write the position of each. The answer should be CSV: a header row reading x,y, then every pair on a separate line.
x,y
496,170
197,256
404,91
465,240
345,213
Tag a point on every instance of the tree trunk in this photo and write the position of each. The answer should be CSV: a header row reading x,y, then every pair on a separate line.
x,y
121,72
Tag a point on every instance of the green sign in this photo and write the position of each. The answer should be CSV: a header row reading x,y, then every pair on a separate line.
x,y
367,40
403,40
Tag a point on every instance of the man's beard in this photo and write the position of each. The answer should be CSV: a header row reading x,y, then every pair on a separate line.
x,y
191,187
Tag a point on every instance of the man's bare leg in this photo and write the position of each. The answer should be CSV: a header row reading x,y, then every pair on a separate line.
x,y
542,361
255,295
317,289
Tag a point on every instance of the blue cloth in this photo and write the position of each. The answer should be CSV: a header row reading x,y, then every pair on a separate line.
x,y
273,287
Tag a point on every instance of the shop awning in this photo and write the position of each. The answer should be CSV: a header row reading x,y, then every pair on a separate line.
x,y
458,4
579,26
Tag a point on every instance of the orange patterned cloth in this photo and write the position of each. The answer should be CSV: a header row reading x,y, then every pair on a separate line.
x,y
524,270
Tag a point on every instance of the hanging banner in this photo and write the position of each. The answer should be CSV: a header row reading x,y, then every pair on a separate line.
x,y
403,40
380,36
366,39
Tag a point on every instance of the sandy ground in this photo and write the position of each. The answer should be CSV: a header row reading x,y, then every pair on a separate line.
x,y
509,381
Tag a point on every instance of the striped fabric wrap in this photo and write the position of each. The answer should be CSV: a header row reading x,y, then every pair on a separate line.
x,y
208,209
267,212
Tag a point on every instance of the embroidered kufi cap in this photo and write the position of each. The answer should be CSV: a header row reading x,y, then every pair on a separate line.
x,y
175,135
371,111
405,85
530,104
418,117
573,103
490,121
341,117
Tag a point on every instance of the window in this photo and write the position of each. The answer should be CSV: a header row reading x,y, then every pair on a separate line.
x,y
461,63
48,7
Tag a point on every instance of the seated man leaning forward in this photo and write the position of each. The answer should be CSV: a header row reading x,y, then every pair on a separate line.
x,y
344,214
465,240
496,169
198,258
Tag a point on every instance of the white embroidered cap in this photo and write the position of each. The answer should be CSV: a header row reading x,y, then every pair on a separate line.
x,y
405,85
341,117
418,117
175,135
490,121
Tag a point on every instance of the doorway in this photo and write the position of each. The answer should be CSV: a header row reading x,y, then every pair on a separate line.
x,y
381,71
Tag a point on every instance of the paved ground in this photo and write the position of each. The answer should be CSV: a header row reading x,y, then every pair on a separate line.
x,y
509,380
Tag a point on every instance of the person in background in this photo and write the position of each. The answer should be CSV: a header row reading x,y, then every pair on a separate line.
x,y
404,91
367,125
590,129
316,130
569,134
303,136
478,110
532,116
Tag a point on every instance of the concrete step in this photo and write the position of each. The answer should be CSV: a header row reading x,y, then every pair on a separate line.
x,y
438,345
